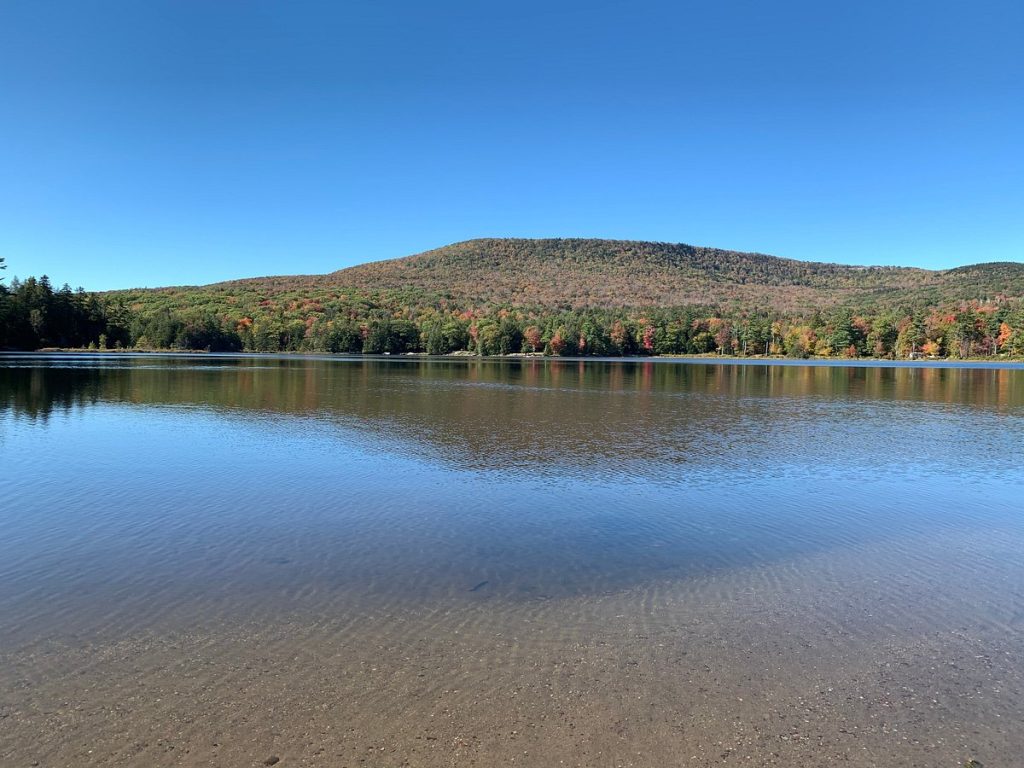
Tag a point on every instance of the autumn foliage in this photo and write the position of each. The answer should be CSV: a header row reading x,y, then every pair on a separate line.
x,y
558,297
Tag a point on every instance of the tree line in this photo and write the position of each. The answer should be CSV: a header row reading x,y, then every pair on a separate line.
x,y
34,315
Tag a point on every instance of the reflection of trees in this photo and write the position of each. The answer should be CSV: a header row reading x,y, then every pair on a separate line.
x,y
531,412
36,392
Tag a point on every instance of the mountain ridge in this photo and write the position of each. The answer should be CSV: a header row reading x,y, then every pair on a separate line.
x,y
554,296
584,273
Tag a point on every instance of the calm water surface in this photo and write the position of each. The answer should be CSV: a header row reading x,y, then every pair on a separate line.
x,y
192,493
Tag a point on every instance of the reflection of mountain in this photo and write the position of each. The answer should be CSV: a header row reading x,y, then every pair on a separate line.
x,y
255,480
634,418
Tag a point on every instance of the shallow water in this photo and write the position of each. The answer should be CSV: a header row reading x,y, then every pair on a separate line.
x,y
742,563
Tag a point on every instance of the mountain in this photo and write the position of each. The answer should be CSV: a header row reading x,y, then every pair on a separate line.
x,y
556,296
585,273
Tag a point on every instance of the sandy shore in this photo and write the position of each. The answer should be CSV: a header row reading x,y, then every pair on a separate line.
x,y
809,666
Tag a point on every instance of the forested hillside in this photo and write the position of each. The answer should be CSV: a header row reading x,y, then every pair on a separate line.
x,y
557,296
580,274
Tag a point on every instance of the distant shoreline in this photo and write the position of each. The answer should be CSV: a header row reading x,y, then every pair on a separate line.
x,y
1011,363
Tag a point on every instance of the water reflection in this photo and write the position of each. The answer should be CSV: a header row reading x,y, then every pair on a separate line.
x,y
137,487
625,419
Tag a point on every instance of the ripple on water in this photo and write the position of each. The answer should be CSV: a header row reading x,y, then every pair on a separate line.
x,y
442,535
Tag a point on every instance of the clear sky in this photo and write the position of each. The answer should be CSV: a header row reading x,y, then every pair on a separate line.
x,y
153,142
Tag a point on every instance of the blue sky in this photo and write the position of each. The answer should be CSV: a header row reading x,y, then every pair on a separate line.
x,y
154,143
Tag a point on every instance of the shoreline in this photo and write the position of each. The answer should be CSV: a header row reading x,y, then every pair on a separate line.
x,y
1010,363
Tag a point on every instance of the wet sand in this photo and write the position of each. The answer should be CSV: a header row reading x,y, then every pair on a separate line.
x,y
843,658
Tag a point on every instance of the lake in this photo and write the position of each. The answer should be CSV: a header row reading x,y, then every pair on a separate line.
x,y
222,560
